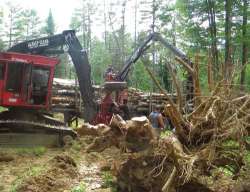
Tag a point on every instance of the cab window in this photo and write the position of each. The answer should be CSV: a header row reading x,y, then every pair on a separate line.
x,y
2,68
14,76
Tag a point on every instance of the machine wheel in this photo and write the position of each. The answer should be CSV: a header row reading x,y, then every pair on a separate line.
x,y
67,140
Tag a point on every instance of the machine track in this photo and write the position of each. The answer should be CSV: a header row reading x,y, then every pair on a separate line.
x,y
33,131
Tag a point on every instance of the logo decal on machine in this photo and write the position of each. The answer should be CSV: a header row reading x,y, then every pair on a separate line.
x,y
12,100
38,43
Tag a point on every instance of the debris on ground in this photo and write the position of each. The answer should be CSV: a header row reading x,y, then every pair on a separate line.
x,y
211,138
208,151
132,135
55,178
4,157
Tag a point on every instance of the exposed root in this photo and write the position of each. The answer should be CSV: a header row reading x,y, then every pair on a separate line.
x,y
210,138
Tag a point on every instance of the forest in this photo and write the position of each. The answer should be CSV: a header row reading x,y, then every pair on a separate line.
x,y
195,76
218,31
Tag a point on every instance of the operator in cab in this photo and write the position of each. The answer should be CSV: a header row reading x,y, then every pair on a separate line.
x,y
109,73
156,119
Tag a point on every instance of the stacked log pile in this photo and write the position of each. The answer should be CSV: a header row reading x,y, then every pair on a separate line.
x,y
141,103
66,94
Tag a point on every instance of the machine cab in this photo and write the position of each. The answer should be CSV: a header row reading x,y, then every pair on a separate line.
x,y
26,80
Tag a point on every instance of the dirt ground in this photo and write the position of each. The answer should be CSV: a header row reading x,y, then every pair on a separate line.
x,y
58,170
72,169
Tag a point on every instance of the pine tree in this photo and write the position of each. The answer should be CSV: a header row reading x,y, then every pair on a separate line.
x,y
1,29
13,23
228,37
115,38
63,70
105,20
135,22
31,23
50,24
28,25
81,21
210,4
244,41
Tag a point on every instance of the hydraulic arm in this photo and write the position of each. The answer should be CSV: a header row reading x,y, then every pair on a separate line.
x,y
122,75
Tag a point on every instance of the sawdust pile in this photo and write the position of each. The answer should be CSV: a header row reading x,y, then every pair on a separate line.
x,y
57,177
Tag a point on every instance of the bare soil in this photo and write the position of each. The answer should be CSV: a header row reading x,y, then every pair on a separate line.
x,y
64,169
57,170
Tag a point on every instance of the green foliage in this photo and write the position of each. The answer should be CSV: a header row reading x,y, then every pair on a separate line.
x,y
80,188
248,139
64,69
13,23
107,179
1,29
247,157
248,77
30,172
230,143
190,26
99,60
184,23
30,24
139,77
76,146
2,45
81,21
50,27
3,109
21,24
195,28
166,133
37,151
226,171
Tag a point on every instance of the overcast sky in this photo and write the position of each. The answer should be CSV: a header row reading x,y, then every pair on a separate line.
x,y
62,11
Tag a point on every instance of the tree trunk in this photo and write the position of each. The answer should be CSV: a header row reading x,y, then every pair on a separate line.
x,y
228,45
244,43
123,31
209,73
213,34
105,24
135,28
89,29
10,28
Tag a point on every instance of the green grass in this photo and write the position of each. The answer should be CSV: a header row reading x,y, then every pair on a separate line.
x,y
247,157
80,188
75,126
107,178
3,109
166,133
226,171
76,146
231,144
37,151
247,139
30,172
